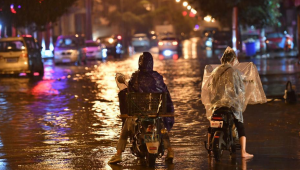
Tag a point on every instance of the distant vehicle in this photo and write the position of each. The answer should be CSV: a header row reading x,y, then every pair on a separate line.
x,y
70,49
93,50
140,42
20,55
153,39
163,31
169,47
279,41
111,45
207,38
221,40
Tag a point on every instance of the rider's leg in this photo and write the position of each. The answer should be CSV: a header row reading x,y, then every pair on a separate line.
x,y
126,130
208,136
167,144
242,136
244,154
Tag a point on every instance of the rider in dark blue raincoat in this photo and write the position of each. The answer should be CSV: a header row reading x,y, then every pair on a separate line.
x,y
145,80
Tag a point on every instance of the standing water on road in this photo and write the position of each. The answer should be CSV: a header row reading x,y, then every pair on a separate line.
x,y
69,120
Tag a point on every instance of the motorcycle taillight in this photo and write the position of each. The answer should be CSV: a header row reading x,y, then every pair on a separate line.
x,y
216,118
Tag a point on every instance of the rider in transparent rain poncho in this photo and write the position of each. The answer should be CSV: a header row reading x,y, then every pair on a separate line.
x,y
225,88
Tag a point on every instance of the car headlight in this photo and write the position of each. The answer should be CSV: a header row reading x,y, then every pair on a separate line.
x,y
167,53
208,43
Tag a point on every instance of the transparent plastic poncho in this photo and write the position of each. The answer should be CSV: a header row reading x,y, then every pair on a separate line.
x,y
242,87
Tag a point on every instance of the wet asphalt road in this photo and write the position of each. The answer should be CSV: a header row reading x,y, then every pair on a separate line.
x,y
68,120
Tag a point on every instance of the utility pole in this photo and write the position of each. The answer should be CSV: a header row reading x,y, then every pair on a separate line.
x,y
297,5
88,31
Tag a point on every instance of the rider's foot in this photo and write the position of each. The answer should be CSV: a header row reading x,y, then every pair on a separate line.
x,y
246,155
115,159
170,156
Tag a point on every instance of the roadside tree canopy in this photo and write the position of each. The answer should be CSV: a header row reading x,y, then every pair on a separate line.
x,y
260,13
37,12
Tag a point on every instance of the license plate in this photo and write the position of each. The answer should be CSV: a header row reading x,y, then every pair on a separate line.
x,y
66,60
12,60
216,124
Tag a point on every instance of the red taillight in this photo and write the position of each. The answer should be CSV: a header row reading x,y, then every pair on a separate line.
x,y
26,36
84,50
160,43
175,56
217,118
119,37
161,57
152,148
174,43
217,136
24,55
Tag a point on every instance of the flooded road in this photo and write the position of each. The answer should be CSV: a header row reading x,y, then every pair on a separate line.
x,y
69,119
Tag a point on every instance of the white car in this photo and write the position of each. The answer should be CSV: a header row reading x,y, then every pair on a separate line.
x,y
140,42
70,49
20,55
93,50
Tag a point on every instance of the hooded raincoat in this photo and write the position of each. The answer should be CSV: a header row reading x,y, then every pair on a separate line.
x,y
231,86
145,80
224,89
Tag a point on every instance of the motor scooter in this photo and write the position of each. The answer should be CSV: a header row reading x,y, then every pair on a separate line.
x,y
147,109
223,132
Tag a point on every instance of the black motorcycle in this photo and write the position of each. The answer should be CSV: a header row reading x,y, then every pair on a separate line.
x,y
148,110
223,133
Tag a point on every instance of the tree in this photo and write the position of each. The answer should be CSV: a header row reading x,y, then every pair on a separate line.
x,y
133,16
22,13
130,16
260,13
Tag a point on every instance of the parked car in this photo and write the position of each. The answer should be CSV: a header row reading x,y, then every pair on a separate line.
x,y
70,49
93,50
140,42
279,41
20,55
221,40
169,47
111,45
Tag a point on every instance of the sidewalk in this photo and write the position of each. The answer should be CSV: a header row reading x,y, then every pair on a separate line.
x,y
272,55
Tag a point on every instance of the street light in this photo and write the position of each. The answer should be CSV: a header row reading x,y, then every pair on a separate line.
x,y
207,18
189,7
193,11
177,0
185,4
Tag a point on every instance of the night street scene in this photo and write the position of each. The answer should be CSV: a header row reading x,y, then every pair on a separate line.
x,y
149,84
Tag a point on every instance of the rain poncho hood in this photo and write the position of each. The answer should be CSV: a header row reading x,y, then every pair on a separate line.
x,y
231,86
146,62
145,80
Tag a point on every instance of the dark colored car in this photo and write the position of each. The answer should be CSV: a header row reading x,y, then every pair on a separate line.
x,y
112,44
221,40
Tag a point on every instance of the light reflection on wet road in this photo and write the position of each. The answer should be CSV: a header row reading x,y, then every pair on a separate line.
x,y
69,119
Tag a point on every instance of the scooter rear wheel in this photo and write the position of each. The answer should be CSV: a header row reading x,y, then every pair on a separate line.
x,y
150,159
216,145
